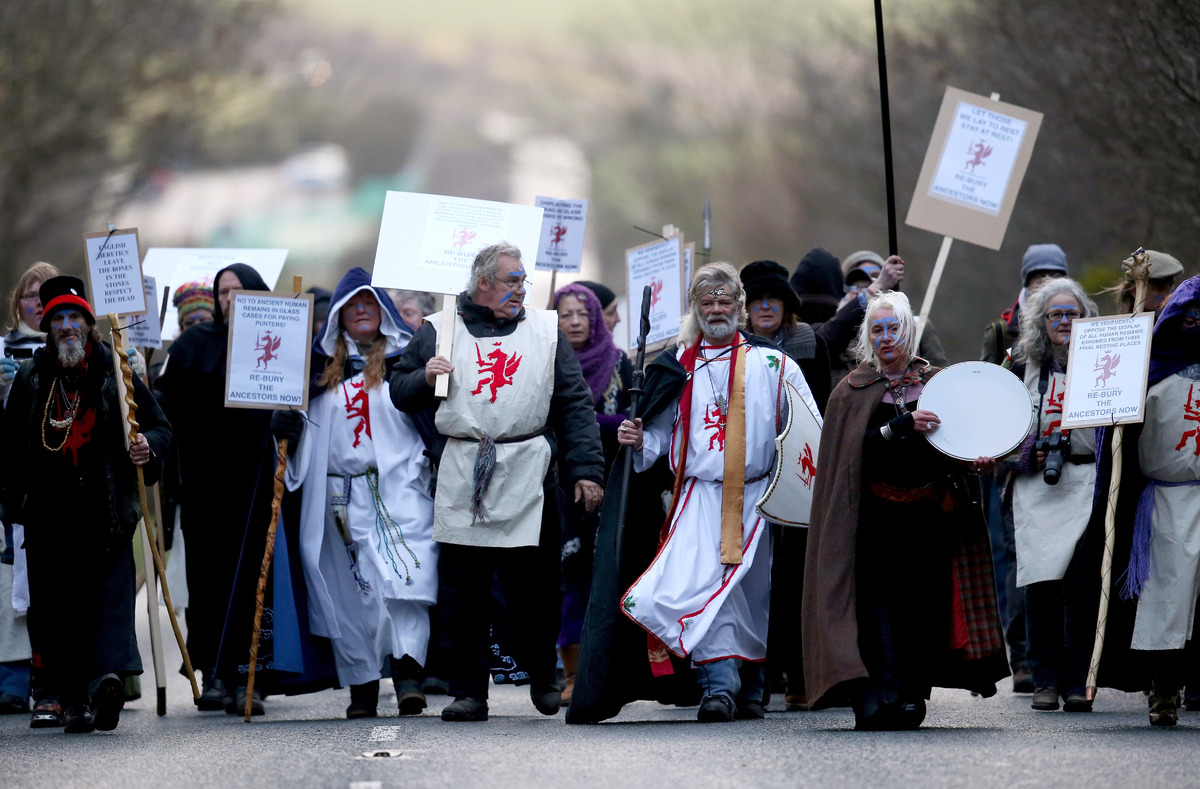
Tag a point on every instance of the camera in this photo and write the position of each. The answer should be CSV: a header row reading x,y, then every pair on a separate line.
x,y
1055,446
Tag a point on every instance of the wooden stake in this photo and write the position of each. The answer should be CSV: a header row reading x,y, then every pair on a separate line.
x,y
129,410
1140,271
268,553
445,345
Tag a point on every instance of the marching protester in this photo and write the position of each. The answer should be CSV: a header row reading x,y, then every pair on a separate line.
x,y
1163,573
1052,487
866,273
220,455
898,588
68,478
1040,264
774,311
608,374
366,517
193,304
414,305
717,410
1164,270
517,402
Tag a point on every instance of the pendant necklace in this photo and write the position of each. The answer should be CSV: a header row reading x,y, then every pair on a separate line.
x,y
69,406
722,401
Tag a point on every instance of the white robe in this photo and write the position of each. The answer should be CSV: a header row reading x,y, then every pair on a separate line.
x,y
1167,453
371,598
687,598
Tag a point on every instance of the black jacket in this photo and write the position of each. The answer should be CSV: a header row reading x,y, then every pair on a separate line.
x,y
572,430
104,491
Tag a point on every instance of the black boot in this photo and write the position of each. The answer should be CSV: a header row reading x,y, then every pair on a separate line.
x,y
364,700
407,676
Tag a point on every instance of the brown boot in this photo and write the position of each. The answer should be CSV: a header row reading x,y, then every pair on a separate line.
x,y
570,661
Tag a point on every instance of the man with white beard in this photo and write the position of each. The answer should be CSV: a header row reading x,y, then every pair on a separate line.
x,y
67,476
706,593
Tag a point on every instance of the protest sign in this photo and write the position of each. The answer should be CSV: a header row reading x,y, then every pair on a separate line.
x,y
428,242
143,330
268,353
563,225
1106,371
175,266
115,272
658,264
973,168
689,257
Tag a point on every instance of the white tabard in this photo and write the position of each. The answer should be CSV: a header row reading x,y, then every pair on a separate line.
x,y
1169,452
1048,520
501,387
371,577
687,598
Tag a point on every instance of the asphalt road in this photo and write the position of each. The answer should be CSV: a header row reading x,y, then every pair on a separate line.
x,y
305,741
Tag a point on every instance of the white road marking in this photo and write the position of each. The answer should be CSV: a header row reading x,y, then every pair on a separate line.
x,y
384,734
366,785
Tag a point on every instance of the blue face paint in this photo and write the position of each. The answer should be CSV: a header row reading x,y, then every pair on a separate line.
x,y
1062,308
507,296
890,331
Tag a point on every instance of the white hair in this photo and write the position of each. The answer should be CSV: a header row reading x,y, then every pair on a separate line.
x,y
906,333
714,276
1034,346
484,267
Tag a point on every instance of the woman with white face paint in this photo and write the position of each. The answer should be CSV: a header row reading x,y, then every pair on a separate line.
x,y
902,523
1051,500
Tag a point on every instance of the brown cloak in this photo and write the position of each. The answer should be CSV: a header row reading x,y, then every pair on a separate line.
x,y
830,608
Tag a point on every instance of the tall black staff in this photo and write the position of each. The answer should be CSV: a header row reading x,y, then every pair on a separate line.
x,y
885,111
635,395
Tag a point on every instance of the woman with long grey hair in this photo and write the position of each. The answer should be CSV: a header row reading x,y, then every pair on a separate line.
x,y
1051,497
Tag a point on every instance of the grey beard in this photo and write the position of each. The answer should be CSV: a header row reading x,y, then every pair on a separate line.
x,y
70,354
719,329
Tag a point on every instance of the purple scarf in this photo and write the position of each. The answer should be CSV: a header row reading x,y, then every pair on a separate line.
x,y
598,357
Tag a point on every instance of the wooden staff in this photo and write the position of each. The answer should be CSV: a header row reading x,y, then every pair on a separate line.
x,y
129,409
1140,271
268,554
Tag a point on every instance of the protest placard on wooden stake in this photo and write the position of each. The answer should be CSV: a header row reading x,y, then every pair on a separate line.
x,y
268,358
114,268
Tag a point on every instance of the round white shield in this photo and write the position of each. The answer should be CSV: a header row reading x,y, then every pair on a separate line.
x,y
985,410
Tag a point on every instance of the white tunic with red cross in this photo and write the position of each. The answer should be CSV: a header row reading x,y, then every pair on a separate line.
x,y
694,604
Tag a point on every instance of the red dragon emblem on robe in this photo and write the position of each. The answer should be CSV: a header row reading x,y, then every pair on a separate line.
x,y
496,370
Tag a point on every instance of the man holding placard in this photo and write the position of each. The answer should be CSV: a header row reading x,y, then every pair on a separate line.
x,y
517,403
69,479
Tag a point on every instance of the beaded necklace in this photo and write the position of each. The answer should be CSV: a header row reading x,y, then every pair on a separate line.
x,y
71,408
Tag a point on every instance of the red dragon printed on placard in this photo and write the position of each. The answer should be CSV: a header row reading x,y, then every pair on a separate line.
x,y
496,373
557,234
979,151
808,469
714,420
1107,367
656,286
268,345
1191,412
463,237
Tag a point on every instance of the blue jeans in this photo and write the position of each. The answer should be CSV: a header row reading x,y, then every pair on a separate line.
x,y
14,679
740,680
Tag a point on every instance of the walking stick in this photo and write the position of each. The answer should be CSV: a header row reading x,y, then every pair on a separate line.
x,y
1140,271
129,409
268,555
635,396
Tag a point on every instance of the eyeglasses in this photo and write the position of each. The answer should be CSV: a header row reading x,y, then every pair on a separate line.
x,y
32,295
1054,316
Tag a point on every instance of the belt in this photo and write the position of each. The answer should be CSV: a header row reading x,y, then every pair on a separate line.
x,y
759,478
931,492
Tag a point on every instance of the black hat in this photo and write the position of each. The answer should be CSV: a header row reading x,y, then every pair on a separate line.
x,y
61,293
818,274
768,279
603,292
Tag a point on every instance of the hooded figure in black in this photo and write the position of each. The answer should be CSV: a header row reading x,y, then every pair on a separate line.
x,y
224,456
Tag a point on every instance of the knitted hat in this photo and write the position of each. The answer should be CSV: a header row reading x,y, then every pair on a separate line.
x,y
768,279
1162,266
192,296
855,260
1043,257
59,293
